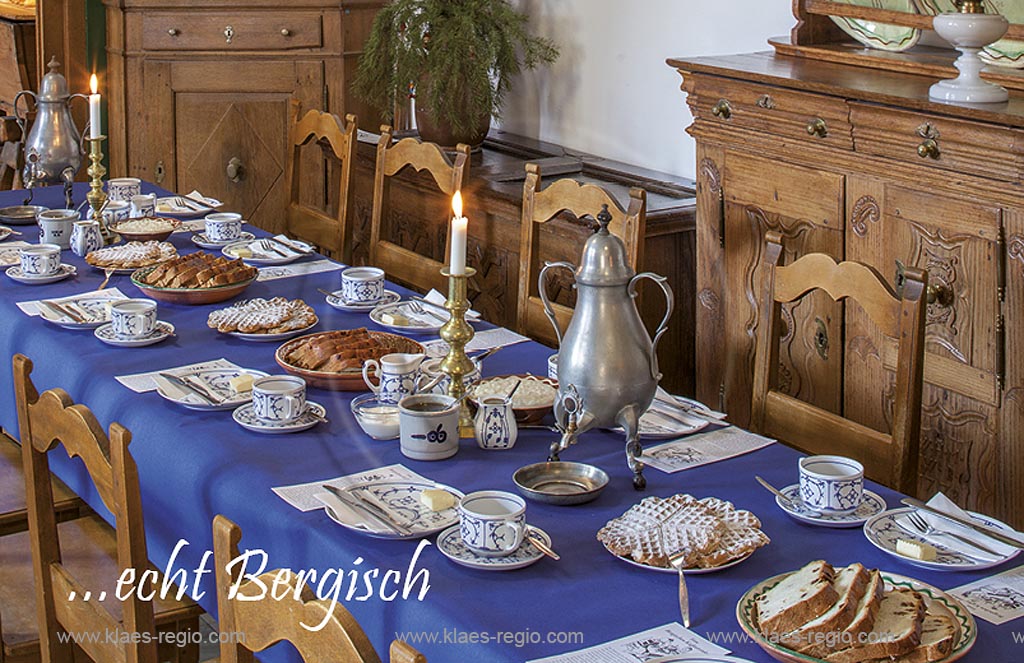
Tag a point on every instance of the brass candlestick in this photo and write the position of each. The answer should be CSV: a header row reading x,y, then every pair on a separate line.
x,y
457,333
97,197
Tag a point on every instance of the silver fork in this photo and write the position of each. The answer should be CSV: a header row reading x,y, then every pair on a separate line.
x,y
420,308
266,247
927,529
107,273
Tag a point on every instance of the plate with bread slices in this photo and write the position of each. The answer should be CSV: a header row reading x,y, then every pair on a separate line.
x,y
196,278
822,614
334,360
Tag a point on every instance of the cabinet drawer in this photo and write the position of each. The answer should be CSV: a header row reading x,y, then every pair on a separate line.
x,y
973,148
242,30
803,116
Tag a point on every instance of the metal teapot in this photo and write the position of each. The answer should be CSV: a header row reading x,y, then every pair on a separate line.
x,y
607,363
53,152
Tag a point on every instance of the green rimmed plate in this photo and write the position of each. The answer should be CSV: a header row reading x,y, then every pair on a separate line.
x,y
880,35
1007,53
968,627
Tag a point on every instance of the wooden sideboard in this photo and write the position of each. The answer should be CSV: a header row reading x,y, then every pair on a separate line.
x,y
418,214
200,90
859,164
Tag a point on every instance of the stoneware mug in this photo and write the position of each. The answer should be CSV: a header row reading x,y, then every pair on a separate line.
x,y
362,285
492,523
123,188
279,399
133,318
39,260
831,484
223,226
428,426
143,204
55,226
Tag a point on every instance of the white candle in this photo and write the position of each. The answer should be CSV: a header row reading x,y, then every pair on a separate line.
x,y
94,109
460,225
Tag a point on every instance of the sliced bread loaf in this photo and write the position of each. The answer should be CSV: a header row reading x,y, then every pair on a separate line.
x,y
939,634
850,584
896,632
861,622
803,596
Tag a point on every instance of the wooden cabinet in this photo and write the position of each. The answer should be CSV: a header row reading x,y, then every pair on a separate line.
x,y
886,178
207,88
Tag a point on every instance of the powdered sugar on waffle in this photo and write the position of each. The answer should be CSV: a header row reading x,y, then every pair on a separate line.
x,y
263,316
132,254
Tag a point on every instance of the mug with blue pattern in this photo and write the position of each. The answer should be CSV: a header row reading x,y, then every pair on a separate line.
x,y
133,318
831,484
492,523
279,399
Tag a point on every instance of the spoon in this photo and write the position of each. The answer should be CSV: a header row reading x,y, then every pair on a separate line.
x,y
788,500
539,544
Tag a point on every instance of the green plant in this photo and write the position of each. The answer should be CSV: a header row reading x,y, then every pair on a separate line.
x,y
461,56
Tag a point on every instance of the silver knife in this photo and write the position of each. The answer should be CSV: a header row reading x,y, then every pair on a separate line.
x,y
350,501
984,529
290,246
61,311
380,513
191,388
932,538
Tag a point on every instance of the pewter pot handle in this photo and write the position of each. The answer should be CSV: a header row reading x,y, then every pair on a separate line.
x,y
22,121
663,326
542,289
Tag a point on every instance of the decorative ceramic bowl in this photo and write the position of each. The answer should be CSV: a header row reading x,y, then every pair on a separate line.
x,y
188,296
347,380
146,236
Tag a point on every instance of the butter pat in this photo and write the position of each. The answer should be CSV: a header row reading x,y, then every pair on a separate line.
x,y
241,384
394,319
915,550
242,252
437,500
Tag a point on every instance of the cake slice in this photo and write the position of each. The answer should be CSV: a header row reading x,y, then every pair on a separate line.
x,y
851,584
803,596
896,632
939,634
861,622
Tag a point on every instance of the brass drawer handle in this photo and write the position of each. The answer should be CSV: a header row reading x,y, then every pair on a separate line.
x,y
174,32
817,127
722,109
229,34
939,293
929,148
766,102
285,32
235,170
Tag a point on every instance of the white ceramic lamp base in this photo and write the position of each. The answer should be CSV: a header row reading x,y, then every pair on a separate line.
x,y
968,33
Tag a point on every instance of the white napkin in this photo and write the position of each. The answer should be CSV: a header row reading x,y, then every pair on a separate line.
x,y
439,299
203,200
688,405
344,513
942,503
32,308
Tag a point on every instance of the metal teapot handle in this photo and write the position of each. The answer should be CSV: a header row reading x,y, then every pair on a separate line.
x,y
543,290
663,326
19,119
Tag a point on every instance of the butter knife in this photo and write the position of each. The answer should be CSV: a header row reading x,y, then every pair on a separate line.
x,y
290,246
191,388
62,312
374,508
984,529
356,505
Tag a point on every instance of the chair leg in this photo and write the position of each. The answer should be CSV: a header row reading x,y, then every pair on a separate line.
x,y
171,652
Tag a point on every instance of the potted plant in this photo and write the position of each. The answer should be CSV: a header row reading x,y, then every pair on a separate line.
x,y
458,57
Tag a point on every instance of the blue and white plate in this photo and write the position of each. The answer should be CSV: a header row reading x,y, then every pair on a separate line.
x,y
282,336
449,542
335,301
95,309
62,273
247,419
200,240
259,257
418,323
870,506
883,532
402,500
162,331
216,380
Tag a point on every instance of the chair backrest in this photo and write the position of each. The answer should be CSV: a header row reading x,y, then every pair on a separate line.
x,y
263,623
45,421
581,200
338,144
890,459
448,174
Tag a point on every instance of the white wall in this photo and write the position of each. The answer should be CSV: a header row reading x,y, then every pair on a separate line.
x,y
611,93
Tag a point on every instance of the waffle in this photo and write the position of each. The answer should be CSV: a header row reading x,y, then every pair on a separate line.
x,y
132,255
198,270
263,316
707,533
336,351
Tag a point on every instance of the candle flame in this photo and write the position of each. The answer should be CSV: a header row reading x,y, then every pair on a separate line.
x,y
457,203
94,84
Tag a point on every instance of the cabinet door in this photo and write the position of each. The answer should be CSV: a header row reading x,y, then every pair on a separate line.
x,y
806,207
222,128
958,242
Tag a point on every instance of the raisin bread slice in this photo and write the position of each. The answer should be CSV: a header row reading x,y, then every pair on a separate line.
x,y
896,632
850,584
803,596
939,634
861,622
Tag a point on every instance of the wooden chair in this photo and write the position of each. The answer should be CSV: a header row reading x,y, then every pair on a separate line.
x,y
581,200
449,175
890,459
338,143
267,622
11,156
64,577
13,513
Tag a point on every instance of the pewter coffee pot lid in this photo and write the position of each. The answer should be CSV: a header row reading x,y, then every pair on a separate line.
x,y
604,261
54,87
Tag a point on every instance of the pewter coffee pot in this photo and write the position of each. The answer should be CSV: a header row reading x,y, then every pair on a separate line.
x,y
607,363
53,152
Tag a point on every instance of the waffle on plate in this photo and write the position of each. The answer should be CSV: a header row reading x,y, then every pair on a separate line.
x,y
263,316
132,255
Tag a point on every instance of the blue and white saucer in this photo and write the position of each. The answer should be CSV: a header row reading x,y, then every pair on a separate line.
x,y
247,419
93,311
449,542
200,240
335,301
62,273
162,331
871,505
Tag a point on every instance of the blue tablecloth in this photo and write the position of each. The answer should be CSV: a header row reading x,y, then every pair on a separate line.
x,y
195,465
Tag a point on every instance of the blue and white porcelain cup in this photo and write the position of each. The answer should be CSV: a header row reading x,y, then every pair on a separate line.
x,y
279,399
55,226
362,285
116,211
223,226
123,188
492,523
133,318
831,484
143,204
40,260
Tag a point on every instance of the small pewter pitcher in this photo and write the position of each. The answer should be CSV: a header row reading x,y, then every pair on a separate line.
x,y
607,363
53,151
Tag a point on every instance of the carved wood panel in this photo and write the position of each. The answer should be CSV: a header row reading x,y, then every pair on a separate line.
x,y
710,315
